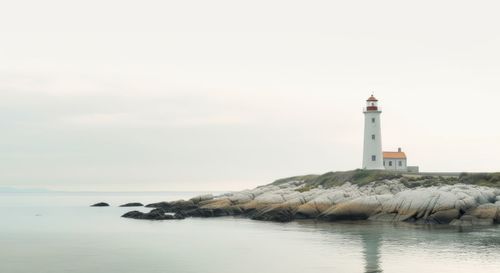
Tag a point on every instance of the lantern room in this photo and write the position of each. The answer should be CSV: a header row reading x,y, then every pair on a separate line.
x,y
372,104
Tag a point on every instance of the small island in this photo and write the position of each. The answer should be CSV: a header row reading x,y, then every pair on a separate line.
x,y
385,189
375,195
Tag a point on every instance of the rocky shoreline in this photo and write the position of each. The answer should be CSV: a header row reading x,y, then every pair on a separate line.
x,y
354,195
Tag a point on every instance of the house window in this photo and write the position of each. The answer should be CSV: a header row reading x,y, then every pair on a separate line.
x,y
384,163
400,163
374,158
373,120
390,163
373,137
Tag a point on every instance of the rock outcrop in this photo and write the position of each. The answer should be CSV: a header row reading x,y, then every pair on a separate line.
x,y
175,206
389,198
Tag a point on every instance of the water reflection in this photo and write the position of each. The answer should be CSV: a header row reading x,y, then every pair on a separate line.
x,y
431,243
371,252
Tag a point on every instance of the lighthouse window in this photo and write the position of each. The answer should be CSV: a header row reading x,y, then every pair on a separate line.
x,y
373,136
374,158
373,120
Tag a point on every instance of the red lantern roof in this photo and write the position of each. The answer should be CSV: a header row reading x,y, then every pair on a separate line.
x,y
372,98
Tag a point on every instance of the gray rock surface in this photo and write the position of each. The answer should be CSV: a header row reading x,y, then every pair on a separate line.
x,y
201,198
386,200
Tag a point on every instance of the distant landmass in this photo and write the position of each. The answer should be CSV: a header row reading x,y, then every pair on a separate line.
x,y
22,190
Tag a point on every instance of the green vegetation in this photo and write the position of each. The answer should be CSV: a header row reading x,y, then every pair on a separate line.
x,y
428,181
332,179
305,188
363,177
481,179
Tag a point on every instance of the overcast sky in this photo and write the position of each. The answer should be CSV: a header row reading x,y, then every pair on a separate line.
x,y
225,95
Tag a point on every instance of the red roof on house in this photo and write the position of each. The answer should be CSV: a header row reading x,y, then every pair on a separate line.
x,y
371,98
395,155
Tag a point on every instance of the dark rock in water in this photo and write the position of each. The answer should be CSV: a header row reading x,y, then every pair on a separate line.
x,y
101,204
159,205
174,206
215,212
444,216
468,221
132,205
156,214
133,214
487,212
303,216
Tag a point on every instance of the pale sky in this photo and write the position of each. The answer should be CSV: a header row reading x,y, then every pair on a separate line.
x,y
226,95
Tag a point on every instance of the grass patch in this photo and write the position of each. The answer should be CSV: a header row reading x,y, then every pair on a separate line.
x,y
362,177
305,188
333,179
480,179
428,181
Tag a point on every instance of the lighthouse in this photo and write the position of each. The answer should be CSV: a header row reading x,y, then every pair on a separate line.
x,y
372,148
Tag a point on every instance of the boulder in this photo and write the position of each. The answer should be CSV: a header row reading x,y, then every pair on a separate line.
x,y
436,204
216,203
201,198
213,212
360,208
443,216
281,214
311,210
132,205
486,212
156,214
324,200
101,204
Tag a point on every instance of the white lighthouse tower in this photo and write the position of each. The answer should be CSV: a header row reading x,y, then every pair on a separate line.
x,y
372,149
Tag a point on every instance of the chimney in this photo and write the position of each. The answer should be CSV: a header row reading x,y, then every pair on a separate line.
x,y
399,150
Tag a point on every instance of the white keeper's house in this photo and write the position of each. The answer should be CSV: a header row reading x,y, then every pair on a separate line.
x,y
373,156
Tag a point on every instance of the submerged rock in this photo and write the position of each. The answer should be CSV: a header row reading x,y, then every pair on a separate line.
x,y
443,216
486,212
469,220
132,205
101,204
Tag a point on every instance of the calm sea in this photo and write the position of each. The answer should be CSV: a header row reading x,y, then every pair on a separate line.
x,y
60,233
